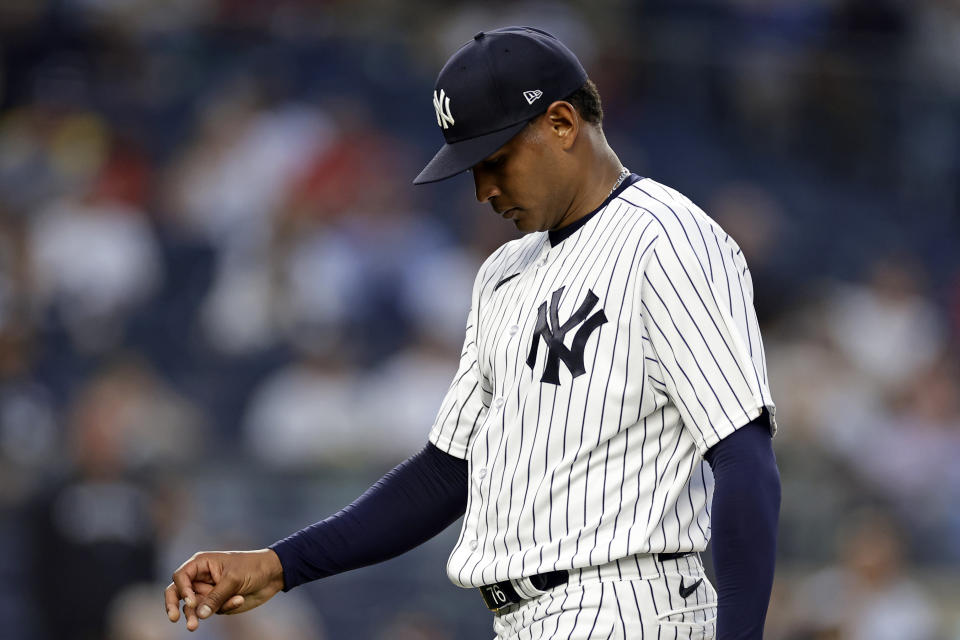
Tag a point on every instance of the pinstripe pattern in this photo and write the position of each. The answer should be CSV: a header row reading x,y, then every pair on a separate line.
x,y
600,604
607,464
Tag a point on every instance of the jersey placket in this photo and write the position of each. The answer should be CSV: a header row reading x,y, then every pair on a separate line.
x,y
487,448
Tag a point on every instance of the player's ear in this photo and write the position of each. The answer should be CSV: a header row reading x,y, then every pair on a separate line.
x,y
564,123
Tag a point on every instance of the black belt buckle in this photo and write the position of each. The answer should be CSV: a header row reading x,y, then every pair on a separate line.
x,y
499,595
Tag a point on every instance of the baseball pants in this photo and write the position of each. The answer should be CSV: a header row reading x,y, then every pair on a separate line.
x,y
634,598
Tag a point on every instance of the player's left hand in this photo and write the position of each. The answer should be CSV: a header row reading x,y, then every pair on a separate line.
x,y
222,582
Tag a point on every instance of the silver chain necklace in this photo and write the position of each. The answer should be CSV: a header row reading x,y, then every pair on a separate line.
x,y
624,172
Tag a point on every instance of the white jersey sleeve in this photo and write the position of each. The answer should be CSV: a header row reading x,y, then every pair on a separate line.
x,y
468,398
700,324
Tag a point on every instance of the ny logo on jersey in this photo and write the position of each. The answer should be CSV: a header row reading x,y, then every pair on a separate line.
x,y
441,102
553,334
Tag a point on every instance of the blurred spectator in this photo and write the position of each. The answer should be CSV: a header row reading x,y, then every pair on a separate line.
x,y
291,617
97,526
358,170
868,595
931,140
349,244
153,420
14,285
771,43
753,217
411,625
938,45
436,290
237,315
30,437
45,154
564,20
825,397
131,615
886,327
326,261
94,260
305,416
401,397
908,458
239,166
403,393
28,423
224,189
93,532
324,280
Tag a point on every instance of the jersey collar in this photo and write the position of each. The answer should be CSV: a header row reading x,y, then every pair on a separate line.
x,y
559,235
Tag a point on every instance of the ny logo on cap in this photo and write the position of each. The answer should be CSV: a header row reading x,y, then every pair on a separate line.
x,y
441,103
532,96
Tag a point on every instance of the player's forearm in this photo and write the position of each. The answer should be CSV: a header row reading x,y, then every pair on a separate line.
x,y
746,504
414,502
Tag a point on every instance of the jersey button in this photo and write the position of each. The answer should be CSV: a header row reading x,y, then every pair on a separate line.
x,y
514,329
482,473
473,545
498,403
542,263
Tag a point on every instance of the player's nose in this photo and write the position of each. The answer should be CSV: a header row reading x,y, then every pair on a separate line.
x,y
485,185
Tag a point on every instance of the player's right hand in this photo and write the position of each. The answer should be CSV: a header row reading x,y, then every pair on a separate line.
x,y
222,582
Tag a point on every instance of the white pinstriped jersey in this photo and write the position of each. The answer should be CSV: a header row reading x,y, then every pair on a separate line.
x,y
594,376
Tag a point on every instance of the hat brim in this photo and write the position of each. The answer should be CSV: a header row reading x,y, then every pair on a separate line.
x,y
456,158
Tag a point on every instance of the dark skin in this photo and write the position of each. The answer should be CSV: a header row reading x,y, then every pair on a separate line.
x,y
222,582
555,171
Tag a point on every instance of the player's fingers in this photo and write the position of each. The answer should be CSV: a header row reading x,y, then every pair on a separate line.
x,y
183,582
232,605
203,588
221,593
200,589
171,600
190,613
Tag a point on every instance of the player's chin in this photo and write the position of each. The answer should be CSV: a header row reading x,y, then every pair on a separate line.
x,y
526,224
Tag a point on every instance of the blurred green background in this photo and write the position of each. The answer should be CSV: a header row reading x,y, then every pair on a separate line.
x,y
225,311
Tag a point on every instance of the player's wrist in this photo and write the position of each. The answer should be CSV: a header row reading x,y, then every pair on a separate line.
x,y
272,568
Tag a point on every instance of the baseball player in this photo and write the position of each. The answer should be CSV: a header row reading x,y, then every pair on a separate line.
x,y
612,355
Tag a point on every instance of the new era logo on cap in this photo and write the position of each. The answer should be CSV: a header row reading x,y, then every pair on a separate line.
x,y
532,96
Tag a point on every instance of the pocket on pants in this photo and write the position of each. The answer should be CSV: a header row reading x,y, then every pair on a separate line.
x,y
694,616
696,622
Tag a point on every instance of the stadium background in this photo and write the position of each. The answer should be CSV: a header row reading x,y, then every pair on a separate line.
x,y
224,310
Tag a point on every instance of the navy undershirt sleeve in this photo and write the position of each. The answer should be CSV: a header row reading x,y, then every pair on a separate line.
x,y
411,504
746,504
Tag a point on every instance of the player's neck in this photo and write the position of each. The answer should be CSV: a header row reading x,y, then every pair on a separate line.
x,y
600,171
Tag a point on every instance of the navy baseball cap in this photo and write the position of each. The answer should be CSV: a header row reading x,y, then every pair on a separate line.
x,y
491,88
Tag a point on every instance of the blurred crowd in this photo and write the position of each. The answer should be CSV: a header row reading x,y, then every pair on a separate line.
x,y
225,311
